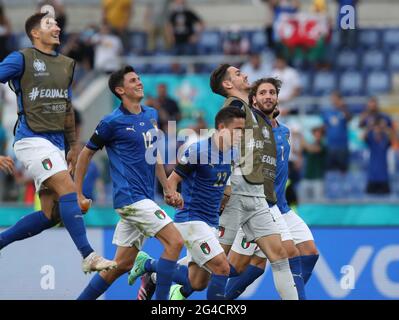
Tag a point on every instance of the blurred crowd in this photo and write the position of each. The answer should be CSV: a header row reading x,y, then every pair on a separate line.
x,y
321,153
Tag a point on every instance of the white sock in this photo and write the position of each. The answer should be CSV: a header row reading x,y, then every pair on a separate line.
x,y
283,280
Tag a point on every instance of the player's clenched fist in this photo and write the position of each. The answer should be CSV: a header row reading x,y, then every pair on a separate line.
x,y
84,203
174,199
6,164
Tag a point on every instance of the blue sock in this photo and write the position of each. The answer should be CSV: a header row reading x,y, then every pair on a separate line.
x,y
96,287
72,218
216,287
296,270
237,285
165,270
150,265
308,263
28,226
180,276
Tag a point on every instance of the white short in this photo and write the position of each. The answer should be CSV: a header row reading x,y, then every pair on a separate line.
x,y
201,241
243,247
40,158
299,230
139,221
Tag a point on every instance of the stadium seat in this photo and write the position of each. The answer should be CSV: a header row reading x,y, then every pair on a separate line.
x,y
258,41
324,83
335,39
351,83
395,183
356,181
359,159
333,185
210,42
138,42
23,41
378,82
393,61
390,39
373,60
306,82
369,38
347,59
141,68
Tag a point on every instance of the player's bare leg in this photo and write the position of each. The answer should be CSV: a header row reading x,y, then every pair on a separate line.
x,y
62,184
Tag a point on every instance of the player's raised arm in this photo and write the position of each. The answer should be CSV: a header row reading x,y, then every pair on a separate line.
x,y
81,168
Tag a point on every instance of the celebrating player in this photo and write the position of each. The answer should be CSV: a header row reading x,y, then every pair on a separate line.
x,y
41,79
128,134
203,173
247,207
294,231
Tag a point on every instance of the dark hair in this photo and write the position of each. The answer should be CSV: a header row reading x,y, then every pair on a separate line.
x,y
227,114
276,113
255,86
217,77
116,79
33,22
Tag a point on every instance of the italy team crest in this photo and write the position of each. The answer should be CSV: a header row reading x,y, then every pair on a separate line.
x,y
205,248
244,243
47,164
160,214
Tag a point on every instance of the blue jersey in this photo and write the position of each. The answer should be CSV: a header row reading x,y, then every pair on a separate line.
x,y
11,69
336,128
205,172
378,163
127,138
282,138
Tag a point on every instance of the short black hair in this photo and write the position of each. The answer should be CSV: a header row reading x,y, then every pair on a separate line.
x,y
116,79
33,22
227,114
255,86
217,77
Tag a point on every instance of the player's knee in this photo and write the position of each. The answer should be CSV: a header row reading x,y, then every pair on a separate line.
x,y
307,249
174,244
222,268
292,251
199,285
277,253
